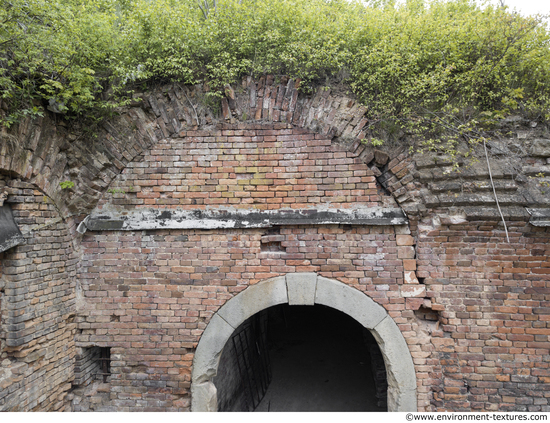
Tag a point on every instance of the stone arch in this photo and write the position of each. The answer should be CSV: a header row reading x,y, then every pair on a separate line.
x,y
304,289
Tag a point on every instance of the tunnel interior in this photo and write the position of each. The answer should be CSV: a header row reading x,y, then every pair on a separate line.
x,y
301,358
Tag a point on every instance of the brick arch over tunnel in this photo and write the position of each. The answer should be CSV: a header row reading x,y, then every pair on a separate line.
x,y
48,153
304,289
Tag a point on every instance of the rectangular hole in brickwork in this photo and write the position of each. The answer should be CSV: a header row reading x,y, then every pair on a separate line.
x,y
272,240
425,313
104,363
272,247
92,363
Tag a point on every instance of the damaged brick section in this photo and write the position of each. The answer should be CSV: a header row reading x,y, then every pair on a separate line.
x,y
495,317
37,306
424,243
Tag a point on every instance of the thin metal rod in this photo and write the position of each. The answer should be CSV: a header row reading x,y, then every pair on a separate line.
x,y
495,191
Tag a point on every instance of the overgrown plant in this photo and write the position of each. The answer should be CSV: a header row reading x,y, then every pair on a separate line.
x,y
66,184
56,55
451,72
443,71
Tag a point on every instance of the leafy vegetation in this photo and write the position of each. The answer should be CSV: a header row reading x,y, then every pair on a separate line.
x,y
66,184
55,54
441,69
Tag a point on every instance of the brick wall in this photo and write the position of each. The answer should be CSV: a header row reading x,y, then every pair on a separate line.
x,y
150,294
495,295
38,306
261,166
473,309
153,293
3,312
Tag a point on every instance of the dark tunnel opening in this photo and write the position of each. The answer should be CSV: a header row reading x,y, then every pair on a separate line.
x,y
301,358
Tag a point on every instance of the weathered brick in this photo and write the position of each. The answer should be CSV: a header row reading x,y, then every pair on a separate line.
x,y
476,326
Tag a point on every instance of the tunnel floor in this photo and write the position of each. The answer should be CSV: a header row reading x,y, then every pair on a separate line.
x,y
319,362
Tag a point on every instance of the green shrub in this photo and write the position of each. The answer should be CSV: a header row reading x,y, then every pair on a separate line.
x,y
423,68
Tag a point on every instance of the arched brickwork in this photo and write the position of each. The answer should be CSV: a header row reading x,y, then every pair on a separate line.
x,y
472,307
47,154
422,275
188,226
304,289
